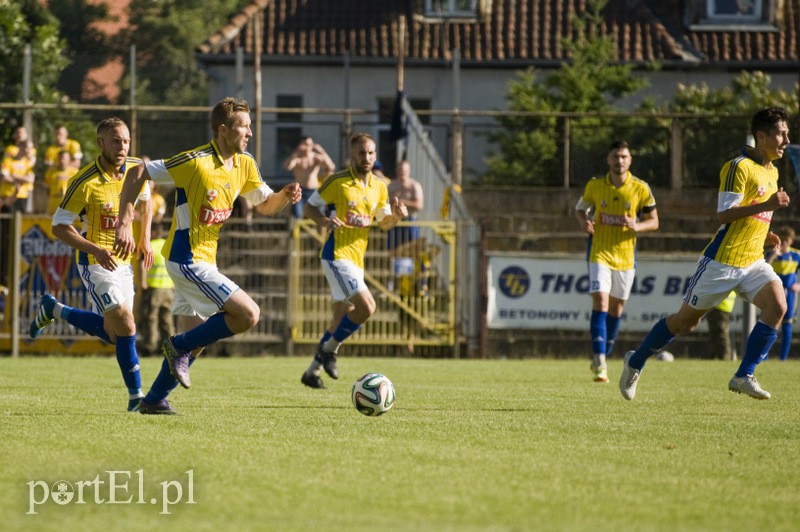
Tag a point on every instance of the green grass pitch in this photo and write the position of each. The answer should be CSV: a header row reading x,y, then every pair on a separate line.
x,y
469,445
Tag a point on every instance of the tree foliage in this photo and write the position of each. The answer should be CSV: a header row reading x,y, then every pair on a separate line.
x,y
529,147
166,34
723,121
22,24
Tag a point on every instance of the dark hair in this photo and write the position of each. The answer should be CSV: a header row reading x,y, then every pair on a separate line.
x,y
618,145
223,112
785,233
109,123
766,119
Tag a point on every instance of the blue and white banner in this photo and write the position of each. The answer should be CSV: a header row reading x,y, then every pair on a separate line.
x,y
553,293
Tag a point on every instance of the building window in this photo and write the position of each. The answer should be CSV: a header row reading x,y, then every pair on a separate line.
x,y
290,101
735,10
451,8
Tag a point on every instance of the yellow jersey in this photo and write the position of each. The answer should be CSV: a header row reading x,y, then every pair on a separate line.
x,y
17,167
741,242
204,195
356,203
71,146
613,244
94,196
56,181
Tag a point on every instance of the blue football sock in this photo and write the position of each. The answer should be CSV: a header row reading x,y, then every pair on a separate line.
x,y
88,322
597,330
129,363
208,332
163,384
612,329
325,337
345,329
758,343
786,339
657,339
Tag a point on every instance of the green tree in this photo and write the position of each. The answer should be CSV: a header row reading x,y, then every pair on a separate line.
x,y
723,121
166,34
528,148
31,23
20,25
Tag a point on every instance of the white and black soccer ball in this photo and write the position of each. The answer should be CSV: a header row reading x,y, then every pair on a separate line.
x,y
373,394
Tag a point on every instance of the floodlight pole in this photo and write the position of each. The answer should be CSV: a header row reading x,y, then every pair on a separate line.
x,y
257,81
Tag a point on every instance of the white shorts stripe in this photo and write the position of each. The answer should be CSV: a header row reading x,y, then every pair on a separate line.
x,y
345,279
207,290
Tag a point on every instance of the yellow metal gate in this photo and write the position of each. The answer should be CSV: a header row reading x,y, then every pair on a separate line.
x,y
413,285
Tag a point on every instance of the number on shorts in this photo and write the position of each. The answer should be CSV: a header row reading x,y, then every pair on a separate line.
x,y
224,289
694,300
106,299
595,286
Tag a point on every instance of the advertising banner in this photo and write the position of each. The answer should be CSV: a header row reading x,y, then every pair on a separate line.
x,y
553,293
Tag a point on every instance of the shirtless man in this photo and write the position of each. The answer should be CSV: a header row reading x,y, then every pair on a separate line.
x,y
310,164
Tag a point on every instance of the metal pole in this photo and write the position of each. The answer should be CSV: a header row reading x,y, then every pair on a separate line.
x,y
566,141
134,125
239,72
27,119
458,132
348,116
257,79
13,290
676,155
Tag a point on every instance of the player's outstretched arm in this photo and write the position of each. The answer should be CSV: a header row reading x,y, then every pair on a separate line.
x,y
278,201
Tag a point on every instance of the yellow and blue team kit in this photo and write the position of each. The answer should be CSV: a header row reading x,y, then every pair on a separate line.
x,y
355,203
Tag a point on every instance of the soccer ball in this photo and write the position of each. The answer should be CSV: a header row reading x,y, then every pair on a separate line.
x,y
373,394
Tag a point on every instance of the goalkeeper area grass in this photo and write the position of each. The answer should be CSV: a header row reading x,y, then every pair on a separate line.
x,y
469,445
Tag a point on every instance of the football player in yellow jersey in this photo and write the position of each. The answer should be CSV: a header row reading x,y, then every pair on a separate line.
x,y
207,180
93,194
734,258
345,205
612,210
63,143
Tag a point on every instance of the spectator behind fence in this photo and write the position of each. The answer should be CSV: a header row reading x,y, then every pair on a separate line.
x,y
612,211
408,263
157,292
17,169
208,179
56,178
345,205
62,143
21,137
734,258
784,260
309,163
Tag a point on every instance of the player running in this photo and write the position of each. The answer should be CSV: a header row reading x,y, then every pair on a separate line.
x,y
734,259
207,181
345,204
613,210
93,194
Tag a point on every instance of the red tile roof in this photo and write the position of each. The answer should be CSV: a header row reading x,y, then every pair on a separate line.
x,y
511,31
